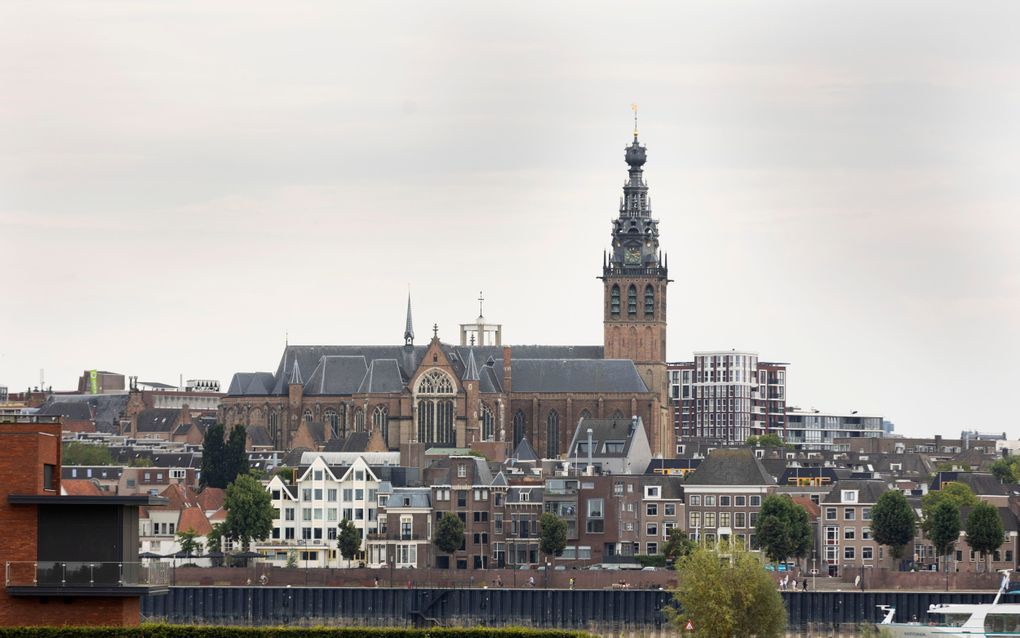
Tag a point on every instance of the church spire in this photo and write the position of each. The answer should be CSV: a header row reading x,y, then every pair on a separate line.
x,y
408,326
635,231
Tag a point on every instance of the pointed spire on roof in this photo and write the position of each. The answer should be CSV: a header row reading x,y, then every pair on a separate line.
x,y
295,374
408,327
471,368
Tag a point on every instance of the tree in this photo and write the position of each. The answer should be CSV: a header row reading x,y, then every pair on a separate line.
x,y
552,534
959,494
348,539
765,440
189,546
213,452
893,522
449,535
783,529
77,453
250,511
727,596
944,527
984,529
678,545
141,461
214,541
1004,469
223,460
285,473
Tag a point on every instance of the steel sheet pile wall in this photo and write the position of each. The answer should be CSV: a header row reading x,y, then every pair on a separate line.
x,y
500,607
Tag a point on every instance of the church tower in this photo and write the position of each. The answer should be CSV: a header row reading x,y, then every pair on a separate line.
x,y
634,278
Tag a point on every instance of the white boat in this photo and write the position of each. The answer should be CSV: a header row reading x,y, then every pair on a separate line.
x,y
961,621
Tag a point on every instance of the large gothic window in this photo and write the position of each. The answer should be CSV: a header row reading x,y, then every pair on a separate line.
x,y
274,428
487,423
632,300
381,422
434,401
614,301
552,442
519,425
359,420
649,301
332,421
308,417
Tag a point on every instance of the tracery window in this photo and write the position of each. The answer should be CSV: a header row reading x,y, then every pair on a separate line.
x,y
434,401
519,424
308,417
614,301
552,425
332,421
632,300
381,422
487,423
649,300
274,428
359,420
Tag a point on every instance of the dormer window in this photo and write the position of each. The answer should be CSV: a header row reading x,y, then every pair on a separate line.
x,y
462,471
849,496
653,491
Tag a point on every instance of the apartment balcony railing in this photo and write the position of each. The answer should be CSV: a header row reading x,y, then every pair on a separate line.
x,y
85,577
398,537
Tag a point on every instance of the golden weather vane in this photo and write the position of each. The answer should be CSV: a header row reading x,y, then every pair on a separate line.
x,y
633,107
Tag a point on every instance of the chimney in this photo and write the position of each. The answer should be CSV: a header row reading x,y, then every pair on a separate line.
x,y
506,369
591,465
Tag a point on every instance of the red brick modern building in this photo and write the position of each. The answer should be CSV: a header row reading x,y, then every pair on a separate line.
x,y
68,560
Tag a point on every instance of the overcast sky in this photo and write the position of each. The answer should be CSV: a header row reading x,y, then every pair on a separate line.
x,y
184,183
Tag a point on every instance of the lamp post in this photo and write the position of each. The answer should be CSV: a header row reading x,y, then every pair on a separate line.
x,y
393,562
304,557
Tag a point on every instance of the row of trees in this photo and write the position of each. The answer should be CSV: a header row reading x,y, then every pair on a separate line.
x,y
223,458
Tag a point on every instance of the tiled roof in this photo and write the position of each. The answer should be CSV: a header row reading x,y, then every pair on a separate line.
x,y
868,491
211,498
736,466
158,419
79,487
194,518
576,375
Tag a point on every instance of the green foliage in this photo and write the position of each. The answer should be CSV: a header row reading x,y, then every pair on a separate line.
x,y
141,461
678,545
348,539
959,494
655,560
893,522
944,526
77,453
783,528
552,534
291,558
215,538
727,595
984,529
286,474
225,631
189,545
1007,469
765,440
223,460
250,511
449,533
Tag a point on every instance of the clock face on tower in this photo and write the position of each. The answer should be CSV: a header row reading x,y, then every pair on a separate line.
x,y
632,256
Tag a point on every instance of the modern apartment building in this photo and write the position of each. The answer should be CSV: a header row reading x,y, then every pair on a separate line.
x,y
727,395
814,430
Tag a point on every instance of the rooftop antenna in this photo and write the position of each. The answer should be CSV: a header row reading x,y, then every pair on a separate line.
x,y
480,300
633,107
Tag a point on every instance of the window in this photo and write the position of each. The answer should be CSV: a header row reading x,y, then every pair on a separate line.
x,y
462,471
618,488
487,424
331,495
435,407
724,519
669,509
48,470
288,514
709,500
867,553
739,519
652,529
709,519
318,494
739,501
694,520
317,475
306,514
849,533
596,515
830,513
381,422
614,301
552,424
649,301
695,501
756,501
849,553
866,514
724,501
653,491
632,300
652,509
331,420
849,496
306,494
652,549
849,514
462,498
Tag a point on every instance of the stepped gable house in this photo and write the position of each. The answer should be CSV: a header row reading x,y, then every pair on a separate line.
x,y
480,393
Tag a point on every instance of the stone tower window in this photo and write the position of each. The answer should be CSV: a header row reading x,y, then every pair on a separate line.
x,y
519,425
632,300
614,301
487,423
649,301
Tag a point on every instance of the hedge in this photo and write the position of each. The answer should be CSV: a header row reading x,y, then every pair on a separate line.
x,y
206,631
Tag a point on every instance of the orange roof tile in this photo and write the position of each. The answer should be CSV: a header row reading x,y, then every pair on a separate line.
x,y
812,508
79,487
219,515
193,518
211,498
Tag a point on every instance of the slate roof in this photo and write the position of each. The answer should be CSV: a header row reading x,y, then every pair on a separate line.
x,y
524,453
868,491
736,466
417,497
576,375
352,369
258,435
980,483
603,431
1008,518
656,465
158,419
77,410
535,495
108,408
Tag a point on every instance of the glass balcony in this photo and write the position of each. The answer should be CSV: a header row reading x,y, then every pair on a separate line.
x,y
74,576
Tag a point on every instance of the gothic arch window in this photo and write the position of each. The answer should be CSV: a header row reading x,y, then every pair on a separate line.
x,y
359,420
434,394
308,417
632,300
487,423
614,301
649,301
331,420
274,428
552,441
381,422
585,414
520,422
617,414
